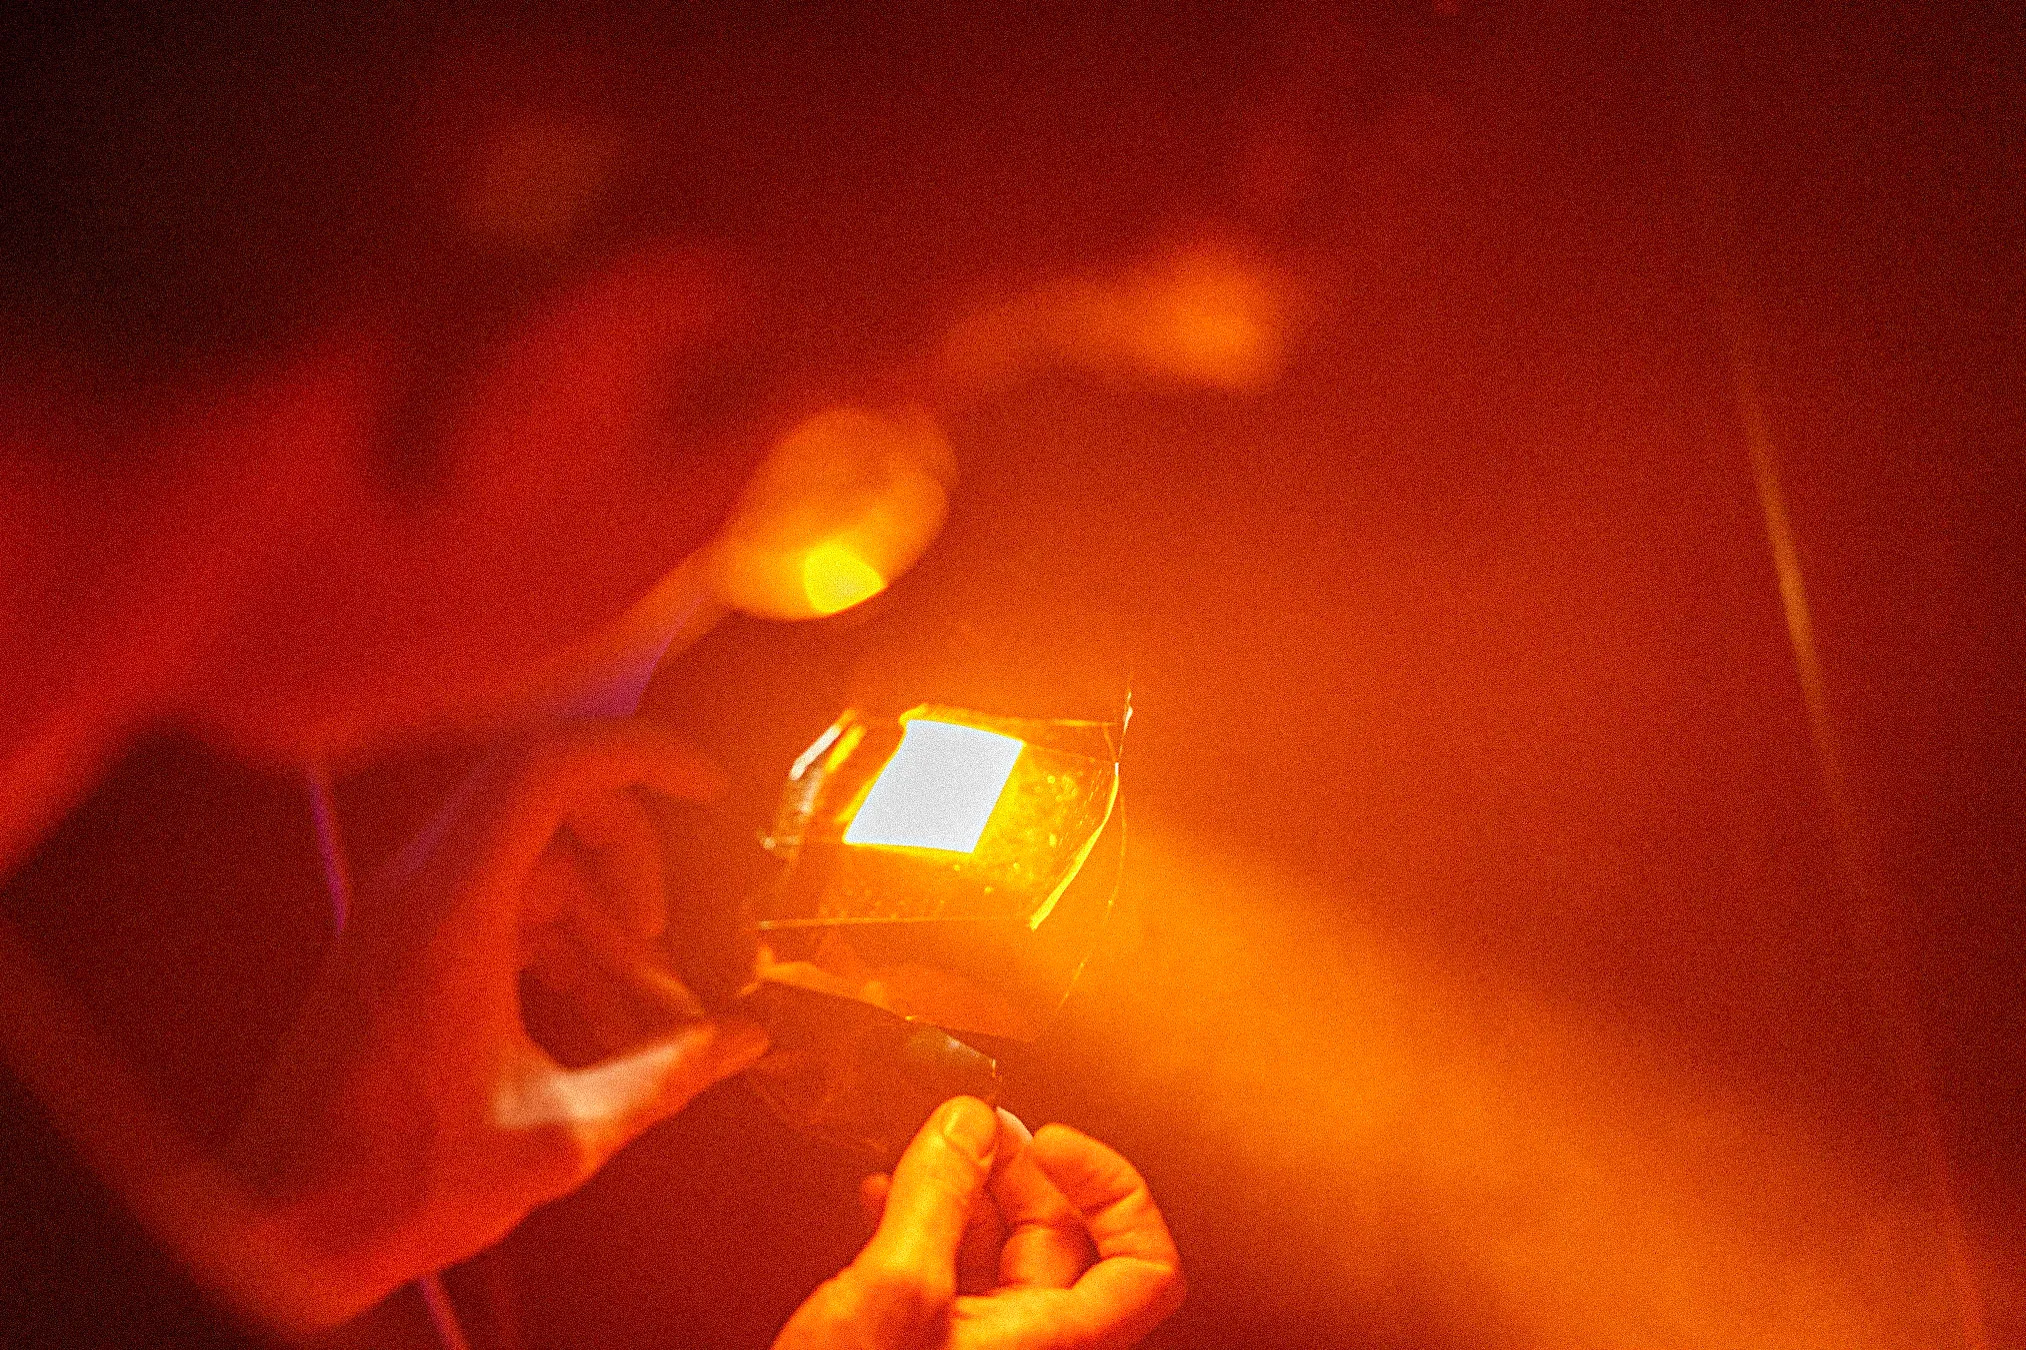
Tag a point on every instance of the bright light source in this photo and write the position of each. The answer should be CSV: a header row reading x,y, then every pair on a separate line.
x,y
842,505
938,790
834,578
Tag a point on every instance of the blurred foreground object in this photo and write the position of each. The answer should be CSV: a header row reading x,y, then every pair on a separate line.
x,y
844,504
1211,314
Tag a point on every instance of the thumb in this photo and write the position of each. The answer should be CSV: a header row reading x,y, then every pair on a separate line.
x,y
935,1185
614,1101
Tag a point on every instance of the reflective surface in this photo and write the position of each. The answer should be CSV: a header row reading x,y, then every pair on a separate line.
x,y
857,1075
924,862
927,858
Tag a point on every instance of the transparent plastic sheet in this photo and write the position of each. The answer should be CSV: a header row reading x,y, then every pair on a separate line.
x,y
886,939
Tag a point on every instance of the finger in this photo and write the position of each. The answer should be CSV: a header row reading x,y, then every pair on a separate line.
x,y
628,958
470,865
978,1252
555,886
872,1196
1047,1245
1137,1280
938,1180
1107,1191
607,1105
531,793
625,849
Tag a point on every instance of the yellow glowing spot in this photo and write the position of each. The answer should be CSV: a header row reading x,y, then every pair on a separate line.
x,y
938,790
835,578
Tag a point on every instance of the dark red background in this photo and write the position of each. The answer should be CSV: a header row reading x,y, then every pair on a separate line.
x,y
1468,626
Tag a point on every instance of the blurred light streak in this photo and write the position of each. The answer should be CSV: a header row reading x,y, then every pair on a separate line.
x,y
1880,928
330,846
1875,918
1396,1112
442,1313
337,869
1205,315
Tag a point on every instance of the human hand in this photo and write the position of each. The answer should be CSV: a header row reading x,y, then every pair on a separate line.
x,y
991,1239
411,1120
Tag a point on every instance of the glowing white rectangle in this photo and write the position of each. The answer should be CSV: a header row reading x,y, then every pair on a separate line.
x,y
938,790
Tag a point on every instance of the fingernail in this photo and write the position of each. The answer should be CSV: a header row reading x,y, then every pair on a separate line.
x,y
1018,1127
971,1126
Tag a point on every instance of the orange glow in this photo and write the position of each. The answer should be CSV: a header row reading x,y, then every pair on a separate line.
x,y
1208,320
533,179
1207,315
846,502
938,790
1604,1194
835,578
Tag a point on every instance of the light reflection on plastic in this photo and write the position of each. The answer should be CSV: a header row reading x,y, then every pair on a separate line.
x,y
938,790
834,578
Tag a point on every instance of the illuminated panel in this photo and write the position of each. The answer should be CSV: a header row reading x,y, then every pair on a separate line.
x,y
834,578
938,790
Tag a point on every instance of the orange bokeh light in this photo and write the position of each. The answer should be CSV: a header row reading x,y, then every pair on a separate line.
x,y
844,503
835,577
